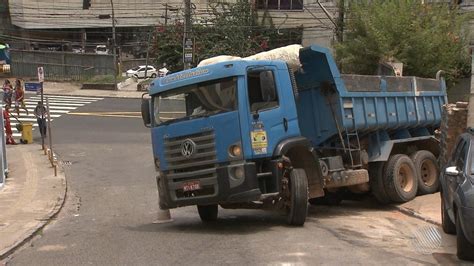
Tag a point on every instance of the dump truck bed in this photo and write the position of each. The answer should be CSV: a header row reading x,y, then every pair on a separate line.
x,y
330,103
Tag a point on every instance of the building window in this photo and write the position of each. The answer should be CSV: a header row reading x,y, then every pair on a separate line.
x,y
280,4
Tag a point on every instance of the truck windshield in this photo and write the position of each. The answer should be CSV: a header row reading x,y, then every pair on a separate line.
x,y
197,100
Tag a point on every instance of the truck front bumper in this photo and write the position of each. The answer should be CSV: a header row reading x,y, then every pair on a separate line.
x,y
228,185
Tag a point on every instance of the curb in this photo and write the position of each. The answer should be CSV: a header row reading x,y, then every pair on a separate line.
x,y
43,222
415,214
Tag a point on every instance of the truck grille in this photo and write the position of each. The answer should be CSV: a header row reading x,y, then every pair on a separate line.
x,y
200,165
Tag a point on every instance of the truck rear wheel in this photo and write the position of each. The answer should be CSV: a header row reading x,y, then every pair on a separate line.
x,y
208,213
298,203
427,171
376,182
400,179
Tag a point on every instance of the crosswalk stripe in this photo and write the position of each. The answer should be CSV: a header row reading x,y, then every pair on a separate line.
x,y
35,100
55,107
58,105
70,97
51,110
61,101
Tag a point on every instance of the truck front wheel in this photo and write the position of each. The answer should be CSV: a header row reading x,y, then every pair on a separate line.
x,y
298,202
376,181
400,181
208,213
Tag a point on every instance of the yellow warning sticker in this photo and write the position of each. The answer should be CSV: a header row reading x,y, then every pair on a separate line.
x,y
259,141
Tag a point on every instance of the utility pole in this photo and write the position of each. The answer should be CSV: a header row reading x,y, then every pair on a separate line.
x,y
114,45
340,22
147,53
187,33
166,15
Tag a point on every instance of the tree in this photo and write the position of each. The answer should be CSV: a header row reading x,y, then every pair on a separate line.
x,y
424,37
230,29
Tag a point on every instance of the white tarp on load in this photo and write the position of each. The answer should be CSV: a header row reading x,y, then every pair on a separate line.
x,y
289,54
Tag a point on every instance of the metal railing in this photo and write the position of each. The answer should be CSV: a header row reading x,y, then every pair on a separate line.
x,y
55,72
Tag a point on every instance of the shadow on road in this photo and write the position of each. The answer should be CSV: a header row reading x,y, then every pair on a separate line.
x,y
227,223
348,208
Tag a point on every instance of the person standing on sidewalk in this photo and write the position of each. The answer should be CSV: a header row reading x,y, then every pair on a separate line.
x,y
7,92
40,114
8,126
19,98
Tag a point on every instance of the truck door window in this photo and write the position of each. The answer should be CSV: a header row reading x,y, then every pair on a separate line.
x,y
261,90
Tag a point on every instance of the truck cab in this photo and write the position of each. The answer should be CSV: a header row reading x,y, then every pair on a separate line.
x,y
216,131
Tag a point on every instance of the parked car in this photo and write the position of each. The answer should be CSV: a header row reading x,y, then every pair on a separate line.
x,y
457,196
101,49
139,72
77,50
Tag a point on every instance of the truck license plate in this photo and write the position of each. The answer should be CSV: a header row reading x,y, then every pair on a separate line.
x,y
191,186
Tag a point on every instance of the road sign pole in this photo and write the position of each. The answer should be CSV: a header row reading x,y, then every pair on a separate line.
x,y
40,129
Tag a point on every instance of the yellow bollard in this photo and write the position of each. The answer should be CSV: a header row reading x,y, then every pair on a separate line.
x,y
27,133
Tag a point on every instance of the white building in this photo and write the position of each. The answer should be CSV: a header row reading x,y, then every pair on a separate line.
x,y
77,14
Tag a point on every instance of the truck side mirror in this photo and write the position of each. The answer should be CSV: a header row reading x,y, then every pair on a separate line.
x,y
146,112
452,171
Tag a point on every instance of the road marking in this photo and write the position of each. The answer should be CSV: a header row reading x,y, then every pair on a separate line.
x,y
110,114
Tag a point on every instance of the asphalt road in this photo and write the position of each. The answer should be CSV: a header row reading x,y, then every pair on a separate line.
x,y
112,202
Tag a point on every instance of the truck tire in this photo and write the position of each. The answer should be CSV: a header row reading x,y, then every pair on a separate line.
x,y
465,248
448,226
376,182
427,171
208,213
298,207
400,179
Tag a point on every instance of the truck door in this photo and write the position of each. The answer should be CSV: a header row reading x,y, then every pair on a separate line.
x,y
268,125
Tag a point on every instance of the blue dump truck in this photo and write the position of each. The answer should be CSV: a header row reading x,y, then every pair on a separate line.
x,y
257,134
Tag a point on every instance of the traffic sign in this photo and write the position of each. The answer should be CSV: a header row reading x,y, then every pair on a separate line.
x,y
40,74
188,50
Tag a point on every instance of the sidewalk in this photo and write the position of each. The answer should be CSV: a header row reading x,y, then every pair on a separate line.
x,y
426,207
31,196
74,89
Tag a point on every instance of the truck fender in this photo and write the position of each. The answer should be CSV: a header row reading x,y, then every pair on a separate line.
x,y
302,155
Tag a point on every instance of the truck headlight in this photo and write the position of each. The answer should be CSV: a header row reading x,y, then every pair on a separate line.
x,y
235,150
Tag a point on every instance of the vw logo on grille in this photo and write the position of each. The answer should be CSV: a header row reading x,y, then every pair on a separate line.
x,y
188,147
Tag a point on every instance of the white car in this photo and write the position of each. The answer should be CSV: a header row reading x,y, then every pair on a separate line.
x,y
139,72
101,49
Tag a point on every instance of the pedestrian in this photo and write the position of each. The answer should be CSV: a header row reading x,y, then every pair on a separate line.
x,y
40,114
8,126
19,98
7,92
